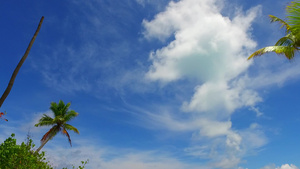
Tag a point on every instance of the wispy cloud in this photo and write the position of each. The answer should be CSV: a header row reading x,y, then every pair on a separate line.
x,y
98,47
105,157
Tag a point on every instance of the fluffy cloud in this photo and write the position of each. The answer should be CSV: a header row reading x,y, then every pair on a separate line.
x,y
219,96
208,47
285,166
212,49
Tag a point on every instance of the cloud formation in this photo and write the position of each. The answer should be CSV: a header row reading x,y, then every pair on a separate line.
x,y
212,49
208,47
284,166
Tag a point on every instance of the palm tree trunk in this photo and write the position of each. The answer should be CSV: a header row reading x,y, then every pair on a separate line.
x,y
42,145
12,79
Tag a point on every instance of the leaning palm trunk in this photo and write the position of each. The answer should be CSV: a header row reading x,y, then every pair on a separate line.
x,y
42,145
14,75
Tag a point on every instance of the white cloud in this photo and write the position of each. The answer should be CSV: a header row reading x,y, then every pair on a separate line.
x,y
284,166
219,97
207,45
209,128
211,49
287,166
211,139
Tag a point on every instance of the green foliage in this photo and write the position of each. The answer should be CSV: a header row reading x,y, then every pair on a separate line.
x,y
293,17
13,156
290,43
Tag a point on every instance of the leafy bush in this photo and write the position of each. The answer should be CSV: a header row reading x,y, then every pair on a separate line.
x,y
13,156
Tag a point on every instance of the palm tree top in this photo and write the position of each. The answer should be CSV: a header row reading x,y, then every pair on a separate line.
x,y
62,115
61,112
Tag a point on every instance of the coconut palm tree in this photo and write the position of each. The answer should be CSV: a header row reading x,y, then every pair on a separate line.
x,y
290,43
62,115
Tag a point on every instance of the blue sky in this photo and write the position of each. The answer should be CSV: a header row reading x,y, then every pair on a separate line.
x,y
157,83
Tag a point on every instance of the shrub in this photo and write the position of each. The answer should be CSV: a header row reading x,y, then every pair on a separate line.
x,y
13,156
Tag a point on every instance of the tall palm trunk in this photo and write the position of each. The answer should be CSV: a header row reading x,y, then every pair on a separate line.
x,y
42,145
14,75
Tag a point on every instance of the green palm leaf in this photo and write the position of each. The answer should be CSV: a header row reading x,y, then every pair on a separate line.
x,y
293,12
45,121
289,52
70,127
290,43
284,24
285,41
70,115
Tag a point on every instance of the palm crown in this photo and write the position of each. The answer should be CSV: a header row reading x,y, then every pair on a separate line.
x,y
290,43
62,115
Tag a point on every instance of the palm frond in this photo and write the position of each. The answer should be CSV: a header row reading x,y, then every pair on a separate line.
x,y
70,115
54,108
285,41
288,51
63,108
284,24
293,12
65,132
70,127
45,121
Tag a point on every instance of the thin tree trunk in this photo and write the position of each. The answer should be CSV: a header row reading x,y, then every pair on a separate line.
x,y
14,75
42,145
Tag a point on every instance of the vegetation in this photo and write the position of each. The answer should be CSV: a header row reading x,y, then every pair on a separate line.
x,y
290,43
21,156
62,115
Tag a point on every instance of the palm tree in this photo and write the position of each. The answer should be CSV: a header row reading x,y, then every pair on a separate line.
x,y
290,43
62,115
